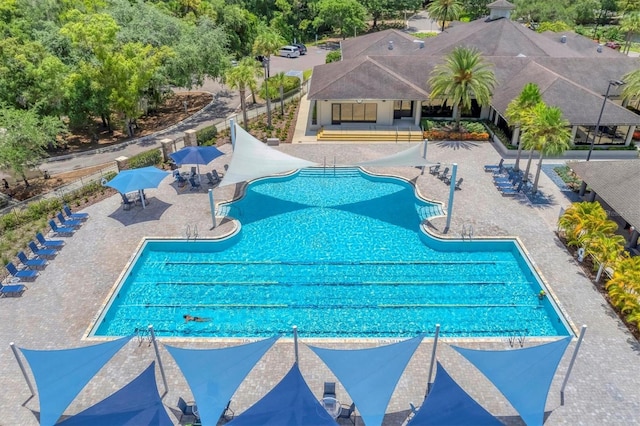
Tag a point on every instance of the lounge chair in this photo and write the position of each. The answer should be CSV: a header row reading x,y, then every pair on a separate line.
x,y
179,178
24,274
34,263
494,167
329,390
217,176
443,174
67,223
433,170
511,191
195,185
75,216
126,202
12,290
347,412
61,230
212,180
44,253
186,409
48,243
458,183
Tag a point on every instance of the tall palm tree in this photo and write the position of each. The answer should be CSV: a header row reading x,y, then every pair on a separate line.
x,y
630,24
445,10
547,132
280,79
267,43
241,77
464,76
632,87
519,111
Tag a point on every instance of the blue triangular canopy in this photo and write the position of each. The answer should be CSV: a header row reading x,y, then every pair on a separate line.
x,y
370,375
138,403
289,403
61,374
214,374
523,376
448,404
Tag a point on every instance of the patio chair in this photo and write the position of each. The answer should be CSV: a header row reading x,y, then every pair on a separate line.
x,y
227,413
48,243
126,202
61,230
24,274
458,183
347,412
68,223
33,263
12,290
212,180
44,253
329,390
443,174
433,170
186,409
217,175
494,167
74,216
195,185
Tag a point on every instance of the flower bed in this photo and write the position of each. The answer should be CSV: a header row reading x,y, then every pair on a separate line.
x,y
438,135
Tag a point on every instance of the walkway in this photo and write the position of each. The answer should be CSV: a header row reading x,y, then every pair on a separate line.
x,y
58,307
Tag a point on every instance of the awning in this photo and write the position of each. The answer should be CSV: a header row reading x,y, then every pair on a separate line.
x,y
413,157
370,375
523,376
214,374
138,403
61,374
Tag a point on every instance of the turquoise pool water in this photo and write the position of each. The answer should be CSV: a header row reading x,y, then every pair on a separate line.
x,y
339,255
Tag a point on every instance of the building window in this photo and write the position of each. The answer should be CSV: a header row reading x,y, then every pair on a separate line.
x,y
436,108
402,109
354,113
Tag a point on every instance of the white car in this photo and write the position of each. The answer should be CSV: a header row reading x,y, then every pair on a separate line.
x,y
289,52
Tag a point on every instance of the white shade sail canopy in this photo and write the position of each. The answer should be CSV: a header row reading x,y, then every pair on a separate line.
x,y
253,159
412,157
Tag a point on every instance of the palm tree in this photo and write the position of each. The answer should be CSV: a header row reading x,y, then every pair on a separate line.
x,y
280,79
266,44
240,77
624,287
463,76
632,87
519,111
606,249
630,24
548,132
445,10
577,220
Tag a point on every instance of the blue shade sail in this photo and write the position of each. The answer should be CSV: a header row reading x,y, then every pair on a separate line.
x,y
196,155
370,375
137,179
448,404
523,376
289,403
214,374
61,374
138,403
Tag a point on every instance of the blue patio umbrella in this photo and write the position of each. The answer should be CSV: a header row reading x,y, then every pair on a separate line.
x,y
137,180
196,155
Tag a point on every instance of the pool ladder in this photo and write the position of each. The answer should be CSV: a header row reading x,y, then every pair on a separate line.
x,y
189,234
467,232
517,339
143,335
324,165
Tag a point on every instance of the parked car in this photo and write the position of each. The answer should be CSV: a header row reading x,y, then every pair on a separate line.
x,y
613,44
289,52
301,47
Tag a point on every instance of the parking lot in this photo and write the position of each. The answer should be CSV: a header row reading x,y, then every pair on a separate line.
x,y
315,56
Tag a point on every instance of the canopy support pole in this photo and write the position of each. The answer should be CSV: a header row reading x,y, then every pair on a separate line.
x,y
233,132
141,195
424,154
452,190
573,359
433,358
212,206
21,365
295,342
155,347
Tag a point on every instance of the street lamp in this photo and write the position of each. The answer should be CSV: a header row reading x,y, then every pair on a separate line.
x,y
604,102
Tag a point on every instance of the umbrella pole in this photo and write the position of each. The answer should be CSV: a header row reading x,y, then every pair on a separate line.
x,y
199,177
142,198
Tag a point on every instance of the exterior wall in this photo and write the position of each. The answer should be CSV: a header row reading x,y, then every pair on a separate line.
x,y
384,111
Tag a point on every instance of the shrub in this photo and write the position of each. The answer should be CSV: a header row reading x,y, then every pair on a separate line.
x,y
425,35
333,56
207,136
149,158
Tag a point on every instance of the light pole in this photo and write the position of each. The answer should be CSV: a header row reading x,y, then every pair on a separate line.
x,y
265,63
604,102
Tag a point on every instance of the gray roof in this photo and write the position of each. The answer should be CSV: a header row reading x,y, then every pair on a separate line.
x,y
616,182
378,44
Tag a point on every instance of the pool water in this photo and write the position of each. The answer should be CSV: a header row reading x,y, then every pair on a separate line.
x,y
338,254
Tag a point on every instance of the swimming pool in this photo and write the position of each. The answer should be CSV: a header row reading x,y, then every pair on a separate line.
x,y
339,254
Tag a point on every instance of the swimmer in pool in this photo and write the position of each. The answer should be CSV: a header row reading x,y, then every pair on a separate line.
x,y
188,318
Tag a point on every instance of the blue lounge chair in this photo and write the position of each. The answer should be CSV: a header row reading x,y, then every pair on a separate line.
x,y
45,253
48,243
494,167
67,223
58,230
34,263
12,290
511,191
75,216
195,185
443,174
433,170
24,274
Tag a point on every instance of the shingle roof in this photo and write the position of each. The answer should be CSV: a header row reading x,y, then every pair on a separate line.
x,y
378,44
616,182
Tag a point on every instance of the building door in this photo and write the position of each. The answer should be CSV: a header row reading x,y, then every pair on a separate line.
x,y
335,113
402,109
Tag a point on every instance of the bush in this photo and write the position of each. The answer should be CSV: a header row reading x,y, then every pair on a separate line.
x,y
425,35
207,136
333,56
149,158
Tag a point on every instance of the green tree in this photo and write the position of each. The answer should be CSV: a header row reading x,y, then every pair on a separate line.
x,y
631,89
624,287
333,56
241,77
519,111
445,10
475,8
556,27
630,25
464,76
343,16
280,80
24,137
547,132
266,44
628,6
579,219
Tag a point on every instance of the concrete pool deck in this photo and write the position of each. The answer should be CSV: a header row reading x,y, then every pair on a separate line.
x,y
57,309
